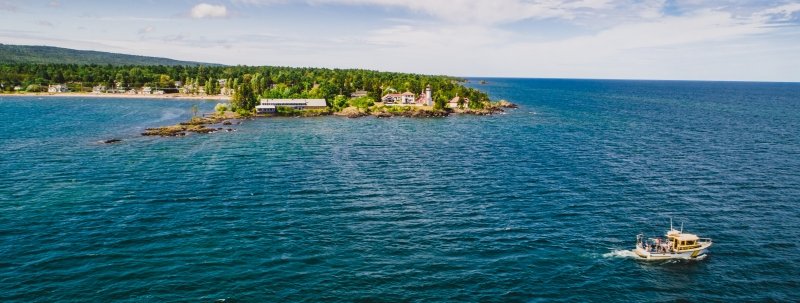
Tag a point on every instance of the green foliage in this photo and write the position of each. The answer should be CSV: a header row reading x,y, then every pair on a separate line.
x,y
221,107
35,88
291,112
248,82
476,104
243,112
339,102
244,98
212,87
362,102
440,102
396,109
286,111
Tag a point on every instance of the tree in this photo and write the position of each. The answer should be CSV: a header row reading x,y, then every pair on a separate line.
x,y
165,81
244,98
339,102
440,102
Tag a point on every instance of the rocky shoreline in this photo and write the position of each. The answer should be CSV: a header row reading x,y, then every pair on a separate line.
x,y
413,112
215,122
198,125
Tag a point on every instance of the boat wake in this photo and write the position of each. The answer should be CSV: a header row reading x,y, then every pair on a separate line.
x,y
621,253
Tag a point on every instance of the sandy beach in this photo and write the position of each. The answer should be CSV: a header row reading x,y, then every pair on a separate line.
x,y
121,96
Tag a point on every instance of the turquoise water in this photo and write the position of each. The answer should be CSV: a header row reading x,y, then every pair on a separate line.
x,y
535,205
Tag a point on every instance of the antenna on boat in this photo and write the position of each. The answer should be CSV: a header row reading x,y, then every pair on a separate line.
x,y
670,224
681,226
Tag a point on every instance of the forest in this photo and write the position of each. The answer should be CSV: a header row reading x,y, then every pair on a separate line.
x,y
247,83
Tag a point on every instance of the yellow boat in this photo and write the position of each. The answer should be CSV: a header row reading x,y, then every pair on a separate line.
x,y
677,245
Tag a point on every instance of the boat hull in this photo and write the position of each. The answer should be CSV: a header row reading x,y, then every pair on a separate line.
x,y
693,254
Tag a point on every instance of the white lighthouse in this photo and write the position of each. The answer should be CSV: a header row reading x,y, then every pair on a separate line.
x,y
428,96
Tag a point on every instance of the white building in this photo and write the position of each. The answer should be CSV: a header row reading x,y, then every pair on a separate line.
x,y
265,109
454,102
428,95
404,98
271,105
99,89
147,90
58,88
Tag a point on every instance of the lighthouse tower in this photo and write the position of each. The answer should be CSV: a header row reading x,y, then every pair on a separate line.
x,y
428,96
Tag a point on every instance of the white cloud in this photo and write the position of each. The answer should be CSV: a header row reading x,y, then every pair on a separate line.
x,y
779,13
205,10
7,6
473,11
146,30
45,23
647,48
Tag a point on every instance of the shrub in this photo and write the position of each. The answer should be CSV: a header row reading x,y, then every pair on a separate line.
x,y
35,88
221,107
243,112
362,102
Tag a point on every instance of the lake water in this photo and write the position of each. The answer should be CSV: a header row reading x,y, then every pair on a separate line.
x,y
538,204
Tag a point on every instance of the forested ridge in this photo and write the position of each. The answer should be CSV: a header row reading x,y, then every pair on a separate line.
x,y
58,55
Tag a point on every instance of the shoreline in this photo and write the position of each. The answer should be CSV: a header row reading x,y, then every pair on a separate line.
x,y
122,96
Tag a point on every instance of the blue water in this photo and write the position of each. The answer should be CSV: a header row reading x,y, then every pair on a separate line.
x,y
536,205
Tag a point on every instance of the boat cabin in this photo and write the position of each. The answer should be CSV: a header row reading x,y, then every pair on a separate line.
x,y
679,241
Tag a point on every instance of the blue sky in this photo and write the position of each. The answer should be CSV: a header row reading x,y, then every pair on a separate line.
x,y
619,39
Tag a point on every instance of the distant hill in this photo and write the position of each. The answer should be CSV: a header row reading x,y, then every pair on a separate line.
x,y
58,55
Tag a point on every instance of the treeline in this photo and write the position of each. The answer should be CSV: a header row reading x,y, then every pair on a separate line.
x,y
247,82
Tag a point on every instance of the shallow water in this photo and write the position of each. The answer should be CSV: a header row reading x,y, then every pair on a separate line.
x,y
535,205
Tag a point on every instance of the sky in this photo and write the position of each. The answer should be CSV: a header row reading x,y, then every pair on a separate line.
x,y
738,40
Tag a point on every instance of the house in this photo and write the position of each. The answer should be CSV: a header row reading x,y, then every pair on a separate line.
x,y
58,88
404,98
226,91
158,92
132,91
454,102
178,84
147,90
188,89
17,88
271,105
359,94
99,89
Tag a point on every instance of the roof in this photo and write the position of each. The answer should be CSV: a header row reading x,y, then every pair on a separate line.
x,y
408,93
682,237
265,106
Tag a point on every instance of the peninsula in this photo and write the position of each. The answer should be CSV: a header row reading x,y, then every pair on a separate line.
x,y
252,91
